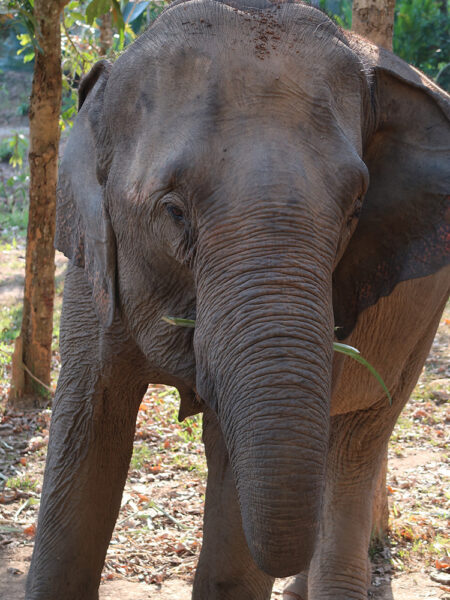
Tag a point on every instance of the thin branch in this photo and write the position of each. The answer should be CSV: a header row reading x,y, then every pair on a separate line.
x,y
157,507
44,385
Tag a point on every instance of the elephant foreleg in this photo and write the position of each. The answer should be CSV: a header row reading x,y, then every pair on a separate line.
x,y
91,438
226,570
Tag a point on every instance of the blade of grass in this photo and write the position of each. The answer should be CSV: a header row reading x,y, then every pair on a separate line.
x,y
180,322
355,354
337,347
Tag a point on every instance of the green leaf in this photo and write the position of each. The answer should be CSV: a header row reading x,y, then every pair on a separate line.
x,y
355,354
97,8
117,16
180,322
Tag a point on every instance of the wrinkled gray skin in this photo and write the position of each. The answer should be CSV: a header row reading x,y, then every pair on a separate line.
x,y
216,171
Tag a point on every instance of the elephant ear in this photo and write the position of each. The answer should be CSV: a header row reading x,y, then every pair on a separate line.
x,y
404,227
83,227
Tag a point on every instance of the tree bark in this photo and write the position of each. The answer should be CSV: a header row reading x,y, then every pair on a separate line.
x,y
33,348
106,33
374,19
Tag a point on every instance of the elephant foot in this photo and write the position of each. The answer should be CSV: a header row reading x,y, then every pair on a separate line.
x,y
297,588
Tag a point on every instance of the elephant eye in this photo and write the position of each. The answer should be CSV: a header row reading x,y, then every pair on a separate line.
x,y
175,212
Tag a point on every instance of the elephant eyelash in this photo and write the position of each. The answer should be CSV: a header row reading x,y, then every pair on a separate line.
x,y
176,213
356,210
186,246
354,215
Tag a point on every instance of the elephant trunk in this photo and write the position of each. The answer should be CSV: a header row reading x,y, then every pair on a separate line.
x,y
264,364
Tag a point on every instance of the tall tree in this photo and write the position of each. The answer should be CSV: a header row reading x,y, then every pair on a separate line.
x,y
374,19
32,353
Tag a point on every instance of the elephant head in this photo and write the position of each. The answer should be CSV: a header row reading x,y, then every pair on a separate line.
x,y
254,167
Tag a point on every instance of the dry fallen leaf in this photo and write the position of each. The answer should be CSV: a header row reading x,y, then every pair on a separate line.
x,y
443,564
30,531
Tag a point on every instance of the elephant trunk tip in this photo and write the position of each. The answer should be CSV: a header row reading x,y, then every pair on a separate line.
x,y
283,559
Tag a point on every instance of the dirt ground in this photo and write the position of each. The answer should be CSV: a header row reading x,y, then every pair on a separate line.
x,y
14,566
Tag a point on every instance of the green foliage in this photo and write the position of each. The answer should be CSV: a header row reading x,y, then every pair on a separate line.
x,y
81,37
421,35
339,10
21,11
22,482
27,49
14,149
13,217
96,8
10,322
23,108
14,189
139,15
142,454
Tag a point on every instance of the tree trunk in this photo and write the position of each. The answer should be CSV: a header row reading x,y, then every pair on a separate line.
x,y
374,19
33,348
106,33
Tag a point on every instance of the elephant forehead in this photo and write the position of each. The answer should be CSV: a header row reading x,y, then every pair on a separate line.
x,y
205,57
207,77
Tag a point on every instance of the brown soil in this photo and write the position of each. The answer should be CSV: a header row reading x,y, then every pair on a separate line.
x,y
14,566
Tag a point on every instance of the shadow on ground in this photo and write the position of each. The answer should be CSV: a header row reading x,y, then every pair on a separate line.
x,y
13,569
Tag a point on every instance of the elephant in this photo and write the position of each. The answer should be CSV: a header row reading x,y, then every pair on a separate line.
x,y
285,183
